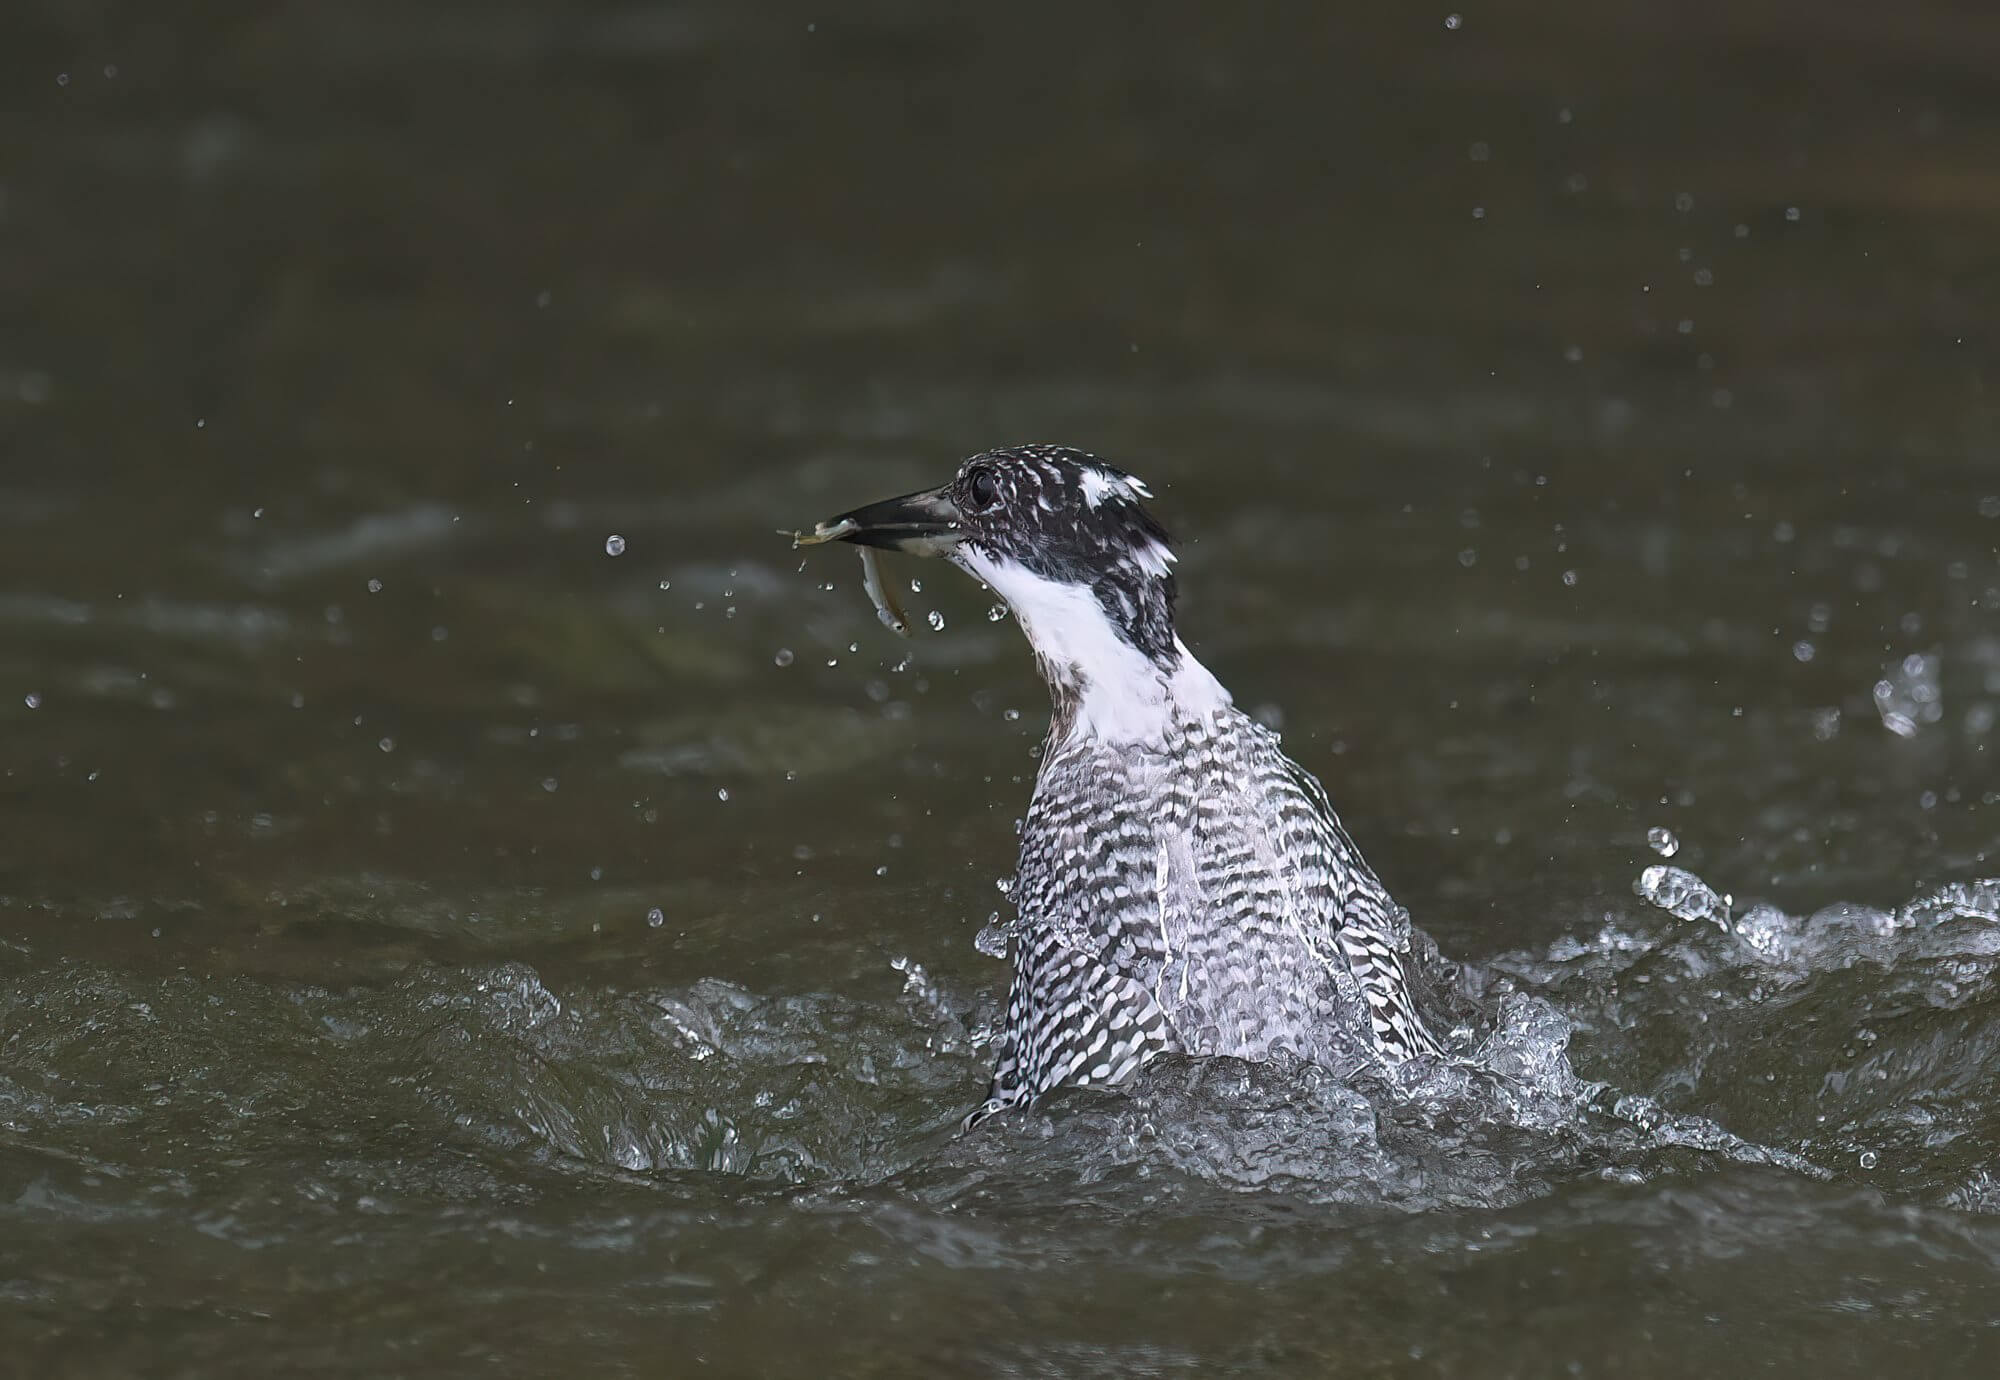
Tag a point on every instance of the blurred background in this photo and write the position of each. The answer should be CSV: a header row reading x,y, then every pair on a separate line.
x,y
471,895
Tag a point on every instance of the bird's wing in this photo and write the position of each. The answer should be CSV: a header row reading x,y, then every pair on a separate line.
x,y
1071,1018
1356,916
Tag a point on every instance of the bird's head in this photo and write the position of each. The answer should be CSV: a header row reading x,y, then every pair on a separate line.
x,y
1066,540
1061,536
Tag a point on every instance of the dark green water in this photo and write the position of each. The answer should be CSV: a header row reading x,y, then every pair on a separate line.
x,y
432,945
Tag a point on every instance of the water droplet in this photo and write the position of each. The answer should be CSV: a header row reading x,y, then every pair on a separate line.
x,y
614,545
783,658
936,620
1663,841
656,917
996,613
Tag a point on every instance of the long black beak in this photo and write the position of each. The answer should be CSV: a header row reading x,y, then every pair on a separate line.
x,y
923,524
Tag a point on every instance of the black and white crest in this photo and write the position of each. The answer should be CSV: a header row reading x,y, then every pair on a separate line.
x,y
1062,519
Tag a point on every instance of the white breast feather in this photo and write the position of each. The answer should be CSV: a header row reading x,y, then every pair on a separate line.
x,y
1124,697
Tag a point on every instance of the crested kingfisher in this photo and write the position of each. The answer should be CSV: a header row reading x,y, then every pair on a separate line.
x,y
1183,885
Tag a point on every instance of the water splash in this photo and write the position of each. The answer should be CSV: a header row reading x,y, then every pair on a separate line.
x,y
1909,697
1680,892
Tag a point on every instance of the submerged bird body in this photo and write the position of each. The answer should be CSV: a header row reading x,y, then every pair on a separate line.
x,y
1183,886
1194,894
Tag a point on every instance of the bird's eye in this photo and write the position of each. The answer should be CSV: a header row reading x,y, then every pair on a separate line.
x,y
983,488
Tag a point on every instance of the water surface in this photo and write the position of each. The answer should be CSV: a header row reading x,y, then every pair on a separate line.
x,y
431,944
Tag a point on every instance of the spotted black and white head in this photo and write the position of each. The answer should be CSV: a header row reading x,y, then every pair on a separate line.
x,y
1067,541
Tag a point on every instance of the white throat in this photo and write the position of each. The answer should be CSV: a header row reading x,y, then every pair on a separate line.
x,y
1118,693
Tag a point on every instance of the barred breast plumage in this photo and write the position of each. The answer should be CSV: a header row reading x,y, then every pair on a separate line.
x,y
1196,896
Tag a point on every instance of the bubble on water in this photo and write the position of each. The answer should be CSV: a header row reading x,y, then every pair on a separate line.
x,y
34,701
549,784
1869,1159
996,612
882,871
783,658
936,620
1681,893
1663,841
722,794
614,545
1569,578
387,744
1453,21
1468,557
656,917
1803,651
374,586
1011,715
916,586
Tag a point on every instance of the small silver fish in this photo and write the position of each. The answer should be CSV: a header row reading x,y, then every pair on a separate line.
x,y
879,595
892,617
